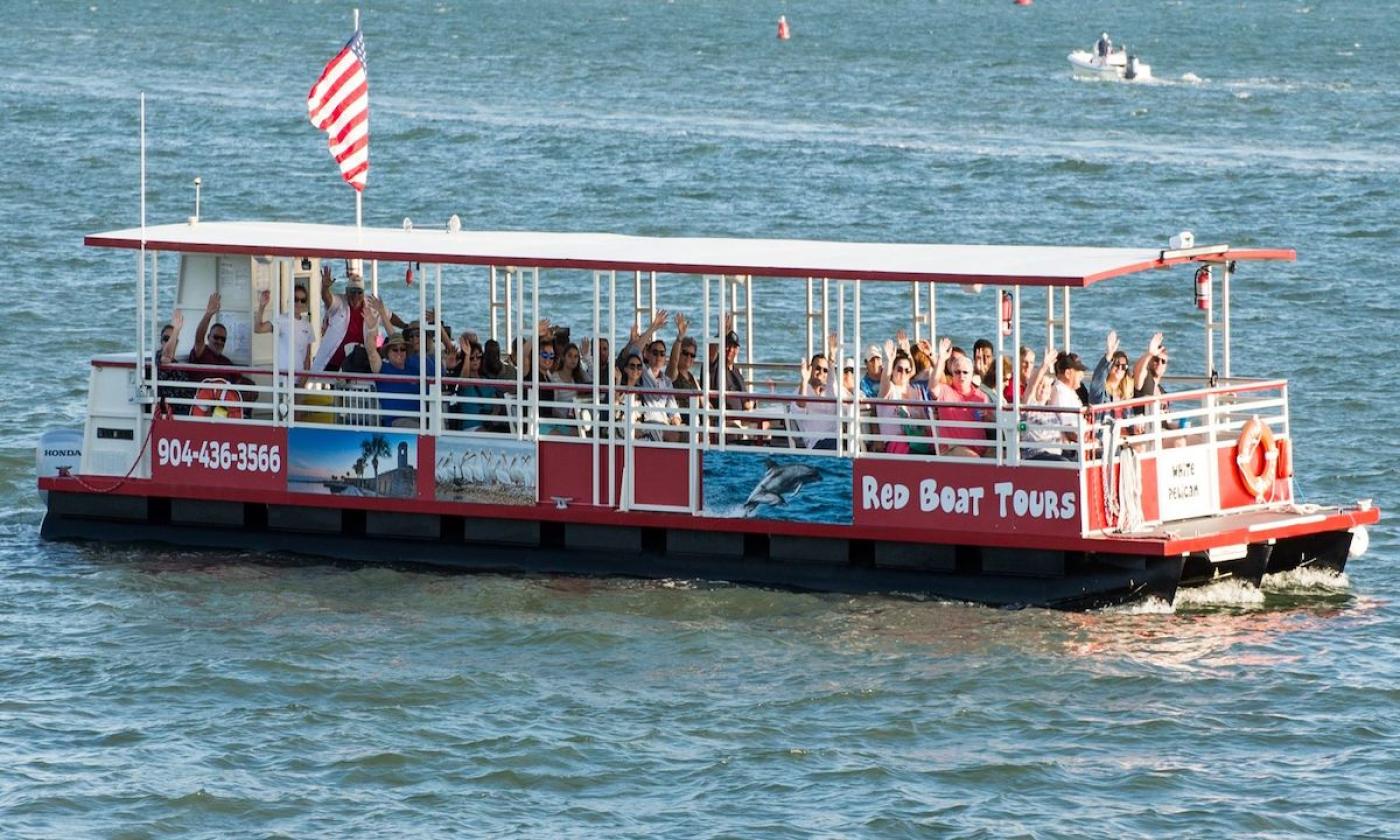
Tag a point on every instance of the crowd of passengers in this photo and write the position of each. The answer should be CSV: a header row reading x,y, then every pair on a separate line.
x,y
909,384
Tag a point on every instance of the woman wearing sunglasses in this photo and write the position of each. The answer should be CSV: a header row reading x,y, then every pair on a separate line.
x,y
629,370
681,367
1111,382
901,412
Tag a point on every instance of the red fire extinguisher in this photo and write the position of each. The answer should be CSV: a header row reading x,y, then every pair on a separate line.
x,y
1006,313
1203,288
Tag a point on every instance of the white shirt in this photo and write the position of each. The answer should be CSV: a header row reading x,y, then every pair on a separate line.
x,y
1041,425
337,319
294,339
660,407
816,421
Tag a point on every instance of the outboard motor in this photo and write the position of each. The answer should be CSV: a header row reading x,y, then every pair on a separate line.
x,y
59,450
1132,69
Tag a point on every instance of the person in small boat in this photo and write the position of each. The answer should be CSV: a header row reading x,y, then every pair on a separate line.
x,y
815,420
1026,359
294,349
874,370
569,371
1053,385
735,385
400,371
1104,46
901,412
345,317
660,408
209,343
164,357
961,389
1148,372
471,409
681,367
1111,382
983,366
630,367
586,348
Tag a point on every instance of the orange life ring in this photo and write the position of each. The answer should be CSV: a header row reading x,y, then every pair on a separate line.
x,y
217,399
1254,435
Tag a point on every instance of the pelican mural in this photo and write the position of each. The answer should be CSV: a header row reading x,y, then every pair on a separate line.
x,y
485,471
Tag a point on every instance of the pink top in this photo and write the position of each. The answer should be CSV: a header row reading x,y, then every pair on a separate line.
x,y
943,392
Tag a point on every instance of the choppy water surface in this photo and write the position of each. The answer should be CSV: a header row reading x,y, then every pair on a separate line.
x,y
149,692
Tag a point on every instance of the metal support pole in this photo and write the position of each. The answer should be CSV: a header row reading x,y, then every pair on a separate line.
x,y
1066,324
612,392
1225,319
1014,456
856,394
598,368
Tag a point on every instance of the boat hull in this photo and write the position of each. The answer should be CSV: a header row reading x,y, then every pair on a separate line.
x,y
995,577
1085,65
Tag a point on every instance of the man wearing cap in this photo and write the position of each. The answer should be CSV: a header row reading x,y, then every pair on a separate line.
x,y
1069,376
345,319
874,366
734,383
400,370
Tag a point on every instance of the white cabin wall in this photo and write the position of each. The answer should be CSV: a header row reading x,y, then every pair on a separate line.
x,y
112,434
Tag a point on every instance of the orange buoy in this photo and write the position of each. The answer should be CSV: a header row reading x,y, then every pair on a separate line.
x,y
217,399
1255,436
1023,2
1285,458
783,33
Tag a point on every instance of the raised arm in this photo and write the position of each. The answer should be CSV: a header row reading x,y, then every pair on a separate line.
x,y
370,336
940,364
886,369
327,281
203,328
1047,365
1098,384
1154,349
167,351
673,364
260,323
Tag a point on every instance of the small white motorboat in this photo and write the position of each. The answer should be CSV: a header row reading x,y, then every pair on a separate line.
x,y
1118,65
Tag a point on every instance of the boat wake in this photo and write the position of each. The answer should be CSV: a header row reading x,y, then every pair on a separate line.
x,y
1307,580
1148,606
1223,593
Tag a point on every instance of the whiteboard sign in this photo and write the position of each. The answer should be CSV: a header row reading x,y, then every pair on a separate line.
x,y
1185,483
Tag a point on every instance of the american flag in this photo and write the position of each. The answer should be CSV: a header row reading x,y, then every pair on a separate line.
x,y
339,105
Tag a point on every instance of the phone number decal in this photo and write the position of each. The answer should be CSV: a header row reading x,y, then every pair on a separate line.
x,y
219,455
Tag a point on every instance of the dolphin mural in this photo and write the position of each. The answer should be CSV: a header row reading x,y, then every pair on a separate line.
x,y
780,482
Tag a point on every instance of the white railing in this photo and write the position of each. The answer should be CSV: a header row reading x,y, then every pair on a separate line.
x,y
1195,413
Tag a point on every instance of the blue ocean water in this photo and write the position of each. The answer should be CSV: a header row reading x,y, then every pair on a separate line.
x,y
154,692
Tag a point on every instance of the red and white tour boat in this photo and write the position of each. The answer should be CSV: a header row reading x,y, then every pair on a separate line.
x,y
1156,493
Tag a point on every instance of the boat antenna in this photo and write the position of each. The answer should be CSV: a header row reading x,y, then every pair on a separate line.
x,y
141,256
197,183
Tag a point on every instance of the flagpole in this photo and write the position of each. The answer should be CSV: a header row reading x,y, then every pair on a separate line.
x,y
359,194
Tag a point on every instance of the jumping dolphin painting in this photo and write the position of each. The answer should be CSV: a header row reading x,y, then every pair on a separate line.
x,y
778,484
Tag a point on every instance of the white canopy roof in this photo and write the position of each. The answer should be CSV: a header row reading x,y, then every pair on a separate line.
x,y
1026,265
